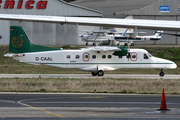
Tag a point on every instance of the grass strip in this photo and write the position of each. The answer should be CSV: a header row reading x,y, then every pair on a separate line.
x,y
101,85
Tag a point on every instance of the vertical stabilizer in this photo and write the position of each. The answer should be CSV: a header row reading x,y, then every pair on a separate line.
x,y
19,42
158,34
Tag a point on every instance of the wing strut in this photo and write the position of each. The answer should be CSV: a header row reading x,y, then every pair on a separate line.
x,y
135,32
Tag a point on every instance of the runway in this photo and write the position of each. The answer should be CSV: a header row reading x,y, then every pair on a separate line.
x,y
87,106
53,106
140,76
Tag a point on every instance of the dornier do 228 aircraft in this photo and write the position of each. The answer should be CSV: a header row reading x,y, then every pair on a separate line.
x,y
93,59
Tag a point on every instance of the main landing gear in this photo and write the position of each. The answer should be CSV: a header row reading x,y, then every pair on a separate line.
x,y
99,73
161,73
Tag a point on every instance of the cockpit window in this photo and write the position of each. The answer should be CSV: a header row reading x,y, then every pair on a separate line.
x,y
145,56
150,55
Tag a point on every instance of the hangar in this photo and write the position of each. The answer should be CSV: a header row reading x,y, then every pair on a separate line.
x,y
57,34
44,33
139,9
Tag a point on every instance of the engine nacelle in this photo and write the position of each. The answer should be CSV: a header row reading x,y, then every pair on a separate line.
x,y
124,52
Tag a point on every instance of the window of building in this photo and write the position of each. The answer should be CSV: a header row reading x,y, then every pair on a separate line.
x,y
68,56
103,56
94,57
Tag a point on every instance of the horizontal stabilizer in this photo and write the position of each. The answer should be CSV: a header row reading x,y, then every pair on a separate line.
x,y
9,55
12,55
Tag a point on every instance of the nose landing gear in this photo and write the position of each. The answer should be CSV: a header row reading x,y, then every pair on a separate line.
x,y
99,73
161,73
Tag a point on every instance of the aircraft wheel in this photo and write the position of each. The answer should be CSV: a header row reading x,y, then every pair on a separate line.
x,y
125,44
100,73
86,44
132,44
109,42
94,73
161,73
101,44
94,44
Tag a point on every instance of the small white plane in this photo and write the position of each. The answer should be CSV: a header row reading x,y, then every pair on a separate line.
x,y
97,37
94,59
122,37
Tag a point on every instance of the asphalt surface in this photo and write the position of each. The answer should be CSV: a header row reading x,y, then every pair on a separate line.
x,y
36,106
141,76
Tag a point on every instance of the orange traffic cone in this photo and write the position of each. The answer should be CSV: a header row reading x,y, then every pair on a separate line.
x,y
163,102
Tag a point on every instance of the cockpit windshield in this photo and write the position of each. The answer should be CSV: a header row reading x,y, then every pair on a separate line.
x,y
149,55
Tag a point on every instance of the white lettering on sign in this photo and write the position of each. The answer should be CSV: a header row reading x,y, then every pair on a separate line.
x,y
30,4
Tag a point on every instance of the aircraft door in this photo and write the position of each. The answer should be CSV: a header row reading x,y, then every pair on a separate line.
x,y
131,58
134,56
70,58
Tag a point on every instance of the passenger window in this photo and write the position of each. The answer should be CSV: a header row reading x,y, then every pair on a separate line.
x,y
120,57
77,56
94,57
68,56
145,56
104,56
86,56
134,56
109,56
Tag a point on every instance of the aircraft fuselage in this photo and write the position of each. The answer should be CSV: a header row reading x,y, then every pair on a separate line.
x,y
92,61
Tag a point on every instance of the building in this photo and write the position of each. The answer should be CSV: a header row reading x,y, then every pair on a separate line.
x,y
44,33
139,9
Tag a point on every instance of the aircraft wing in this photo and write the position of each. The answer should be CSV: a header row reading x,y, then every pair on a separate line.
x,y
103,49
108,22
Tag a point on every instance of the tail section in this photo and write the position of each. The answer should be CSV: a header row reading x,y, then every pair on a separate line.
x,y
158,34
19,42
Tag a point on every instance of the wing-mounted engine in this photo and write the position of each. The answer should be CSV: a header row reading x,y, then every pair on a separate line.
x,y
123,52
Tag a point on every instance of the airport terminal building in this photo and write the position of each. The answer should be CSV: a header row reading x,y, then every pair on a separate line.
x,y
44,33
139,9
57,34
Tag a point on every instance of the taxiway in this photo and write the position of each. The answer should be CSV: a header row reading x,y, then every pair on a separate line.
x,y
140,76
41,106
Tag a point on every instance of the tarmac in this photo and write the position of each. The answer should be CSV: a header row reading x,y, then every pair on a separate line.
x,y
139,76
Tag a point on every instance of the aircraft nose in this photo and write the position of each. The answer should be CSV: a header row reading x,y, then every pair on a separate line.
x,y
80,35
173,66
166,63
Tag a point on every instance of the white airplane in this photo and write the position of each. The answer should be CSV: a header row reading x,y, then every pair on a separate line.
x,y
129,38
122,38
94,59
97,37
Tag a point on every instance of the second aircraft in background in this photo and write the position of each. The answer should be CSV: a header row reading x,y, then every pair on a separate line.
x,y
122,38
